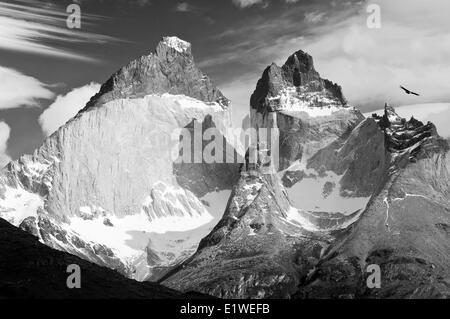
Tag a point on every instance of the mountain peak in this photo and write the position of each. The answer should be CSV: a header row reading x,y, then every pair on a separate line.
x,y
391,114
170,69
412,137
300,60
176,44
295,83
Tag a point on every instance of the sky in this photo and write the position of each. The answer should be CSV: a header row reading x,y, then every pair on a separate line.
x,y
48,71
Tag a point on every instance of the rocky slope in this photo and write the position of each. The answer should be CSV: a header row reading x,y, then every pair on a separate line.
x,y
325,144
405,228
279,220
339,193
342,193
261,248
106,186
29,269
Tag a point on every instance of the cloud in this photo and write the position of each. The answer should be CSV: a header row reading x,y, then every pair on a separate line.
x,y
437,113
314,16
17,89
183,7
143,3
246,3
32,27
4,136
65,107
412,48
200,11
246,49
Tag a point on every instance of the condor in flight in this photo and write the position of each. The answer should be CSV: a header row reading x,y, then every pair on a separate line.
x,y
408,91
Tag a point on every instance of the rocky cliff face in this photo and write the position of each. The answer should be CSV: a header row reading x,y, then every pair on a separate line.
x,y
404,229
261,248
330,158
349,192
342,192
295,85
270,237
106,187
170,69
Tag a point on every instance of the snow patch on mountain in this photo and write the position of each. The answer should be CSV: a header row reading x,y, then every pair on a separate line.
x,y
296,99
168,205
16,204
187,102
168,209
177,44
320,192
98,222
295,217
310,194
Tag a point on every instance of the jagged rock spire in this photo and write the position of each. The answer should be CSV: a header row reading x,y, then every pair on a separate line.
x,y
412,137
297,74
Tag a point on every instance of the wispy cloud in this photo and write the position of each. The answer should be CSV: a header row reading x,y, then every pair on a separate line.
x,y
265,3
42,30
202,12
143,3
314,16
246,3
247,48
184,7
265,39
65,107
18,89
412,48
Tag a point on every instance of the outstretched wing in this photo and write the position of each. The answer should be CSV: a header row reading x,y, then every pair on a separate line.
x,y
405,89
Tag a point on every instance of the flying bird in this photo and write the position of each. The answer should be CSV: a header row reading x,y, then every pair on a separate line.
x,y
408,91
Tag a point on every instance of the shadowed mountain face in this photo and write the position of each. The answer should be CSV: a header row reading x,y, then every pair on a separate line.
x,y
29,269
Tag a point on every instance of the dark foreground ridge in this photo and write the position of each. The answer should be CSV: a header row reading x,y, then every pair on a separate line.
x,y
29,269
